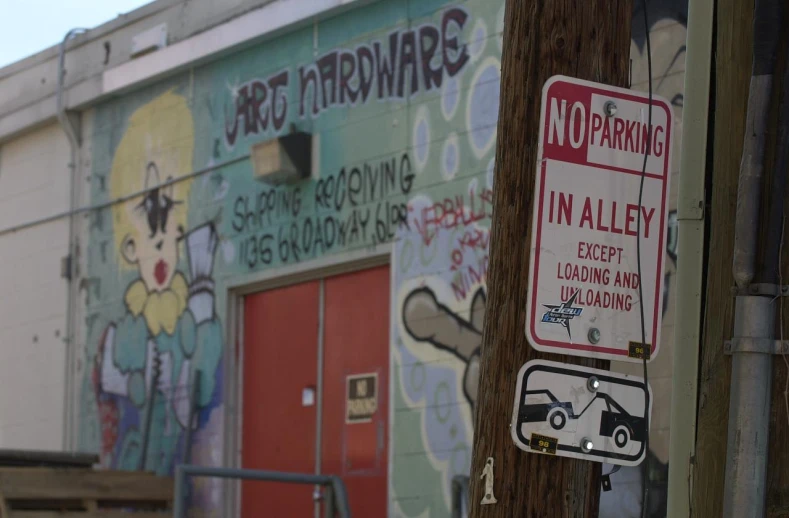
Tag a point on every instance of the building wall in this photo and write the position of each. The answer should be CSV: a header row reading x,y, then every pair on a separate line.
x,y
34,182
407,160
28,87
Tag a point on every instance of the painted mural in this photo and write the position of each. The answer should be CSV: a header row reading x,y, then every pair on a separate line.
x,y
168,335
402,100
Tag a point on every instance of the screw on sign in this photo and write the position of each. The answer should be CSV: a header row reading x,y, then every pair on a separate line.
x,y
584,281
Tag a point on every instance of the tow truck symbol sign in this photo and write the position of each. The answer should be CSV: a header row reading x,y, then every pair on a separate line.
x,y
562,314
557,412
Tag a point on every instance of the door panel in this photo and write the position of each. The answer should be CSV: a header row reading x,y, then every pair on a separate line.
x,y
356,359
278,432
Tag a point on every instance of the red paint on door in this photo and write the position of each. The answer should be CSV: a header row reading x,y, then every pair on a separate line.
x,y
278,433
356,341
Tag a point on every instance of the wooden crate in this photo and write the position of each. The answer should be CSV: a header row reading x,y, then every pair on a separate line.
x,y
83,493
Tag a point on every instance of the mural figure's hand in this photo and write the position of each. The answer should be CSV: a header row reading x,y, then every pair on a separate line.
x,y
112,379
201,244
182,395
164,365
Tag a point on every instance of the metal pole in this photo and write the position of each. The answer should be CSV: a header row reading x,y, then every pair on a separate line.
x,y
183,471
749,410
319,396
766,28
71,300
193,396
179,505
459,495
754,318
194,393
690,257
752,372
330,508
149,412
340,497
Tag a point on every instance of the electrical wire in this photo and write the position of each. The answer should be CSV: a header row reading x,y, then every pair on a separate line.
x,y
645,465
781,314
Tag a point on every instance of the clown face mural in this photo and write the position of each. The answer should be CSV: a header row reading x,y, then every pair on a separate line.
x,y
168,343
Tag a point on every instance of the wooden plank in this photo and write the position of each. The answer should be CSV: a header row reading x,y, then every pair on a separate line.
x,y
3,507
732,75
584,39
47,458
64,484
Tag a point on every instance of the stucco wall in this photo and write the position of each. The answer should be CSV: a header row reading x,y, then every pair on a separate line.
x,y
34,182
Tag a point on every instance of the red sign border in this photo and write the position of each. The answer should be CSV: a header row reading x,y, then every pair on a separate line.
x,y
571,348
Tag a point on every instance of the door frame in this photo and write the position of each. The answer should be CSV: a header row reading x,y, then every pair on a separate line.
x,y
239,286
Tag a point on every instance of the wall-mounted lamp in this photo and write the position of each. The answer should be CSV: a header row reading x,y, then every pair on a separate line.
x,y
285,159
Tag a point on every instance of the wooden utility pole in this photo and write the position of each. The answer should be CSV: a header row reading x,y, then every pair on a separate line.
x,y
588,40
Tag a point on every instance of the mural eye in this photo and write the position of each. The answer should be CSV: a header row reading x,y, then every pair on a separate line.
x,y
150,205
166,206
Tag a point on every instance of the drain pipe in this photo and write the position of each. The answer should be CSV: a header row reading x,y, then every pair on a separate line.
x,y
753,343
74,143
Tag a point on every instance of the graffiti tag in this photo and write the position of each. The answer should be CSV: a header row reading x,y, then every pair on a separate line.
x,y
355,206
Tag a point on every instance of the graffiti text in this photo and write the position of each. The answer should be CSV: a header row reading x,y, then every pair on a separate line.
x,y
416,59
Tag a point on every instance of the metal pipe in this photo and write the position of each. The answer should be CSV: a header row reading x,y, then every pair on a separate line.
x,y
459,495
71,296
754,318
690,258
193,396
151,401
340,497
183,471
330,508
319,391
749,408
749,412
71,133
750,182
767,18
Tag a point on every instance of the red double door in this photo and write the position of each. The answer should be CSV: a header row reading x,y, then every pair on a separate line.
x,y
283,329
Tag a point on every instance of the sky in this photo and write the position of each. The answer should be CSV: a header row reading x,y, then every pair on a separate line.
x,y
30,26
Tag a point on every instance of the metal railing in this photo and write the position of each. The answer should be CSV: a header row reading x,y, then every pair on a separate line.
x,y
336,497
460,496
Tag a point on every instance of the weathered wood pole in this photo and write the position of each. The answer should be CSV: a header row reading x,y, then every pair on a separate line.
x,y
588,40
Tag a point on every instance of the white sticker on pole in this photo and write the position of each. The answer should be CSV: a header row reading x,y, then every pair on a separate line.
x,y
579,412
583,296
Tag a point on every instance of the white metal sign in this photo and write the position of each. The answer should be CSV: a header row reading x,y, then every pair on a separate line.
x,y
579,412
583,298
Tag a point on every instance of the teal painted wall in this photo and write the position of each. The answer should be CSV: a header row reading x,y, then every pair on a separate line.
x,y
402,97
